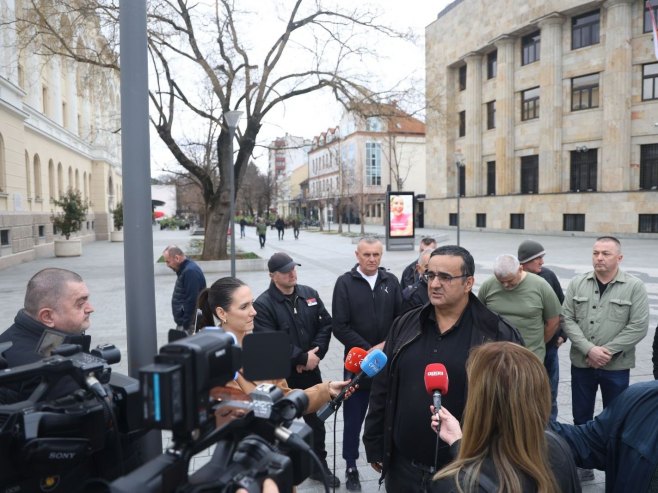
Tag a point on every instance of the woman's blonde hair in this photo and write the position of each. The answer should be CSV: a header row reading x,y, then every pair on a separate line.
x,y
506,413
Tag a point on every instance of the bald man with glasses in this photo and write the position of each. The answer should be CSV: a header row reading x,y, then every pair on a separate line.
x,y
443,331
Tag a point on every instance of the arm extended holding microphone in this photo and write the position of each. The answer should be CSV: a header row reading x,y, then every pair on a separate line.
x,y
370,364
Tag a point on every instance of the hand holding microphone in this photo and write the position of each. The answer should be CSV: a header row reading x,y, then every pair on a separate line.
x,y
369,364
436,383
446,425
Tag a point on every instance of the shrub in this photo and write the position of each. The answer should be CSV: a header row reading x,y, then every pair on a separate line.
x,y
117,216
73,214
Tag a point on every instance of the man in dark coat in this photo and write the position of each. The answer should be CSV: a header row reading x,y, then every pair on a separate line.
x,y
190,281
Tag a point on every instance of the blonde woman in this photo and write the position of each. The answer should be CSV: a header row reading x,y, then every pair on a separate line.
x,y
504,446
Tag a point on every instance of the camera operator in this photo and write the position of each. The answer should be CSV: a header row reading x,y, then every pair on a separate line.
x,y
229,303
56,305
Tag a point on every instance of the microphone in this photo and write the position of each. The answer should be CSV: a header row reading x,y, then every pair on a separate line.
x,y
371,364
436,382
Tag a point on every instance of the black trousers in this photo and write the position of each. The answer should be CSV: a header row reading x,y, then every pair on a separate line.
x,y
405,476
305,380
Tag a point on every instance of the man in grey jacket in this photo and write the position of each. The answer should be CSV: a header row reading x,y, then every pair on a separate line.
x,y
606,313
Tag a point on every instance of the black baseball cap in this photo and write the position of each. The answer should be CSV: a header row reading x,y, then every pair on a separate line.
x,y
281,262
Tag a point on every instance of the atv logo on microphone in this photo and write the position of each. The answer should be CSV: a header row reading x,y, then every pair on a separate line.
x,y
435,373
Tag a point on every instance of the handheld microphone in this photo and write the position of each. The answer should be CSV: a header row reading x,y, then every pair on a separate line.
x,y
371,364
436,383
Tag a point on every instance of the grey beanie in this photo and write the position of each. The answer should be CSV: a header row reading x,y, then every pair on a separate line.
x,y
529,250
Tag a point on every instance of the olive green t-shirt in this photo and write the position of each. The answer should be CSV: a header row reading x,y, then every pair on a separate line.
x,y
526,307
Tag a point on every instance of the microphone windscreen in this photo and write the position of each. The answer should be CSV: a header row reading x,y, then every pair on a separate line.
x,y
354,358
373,363
436,378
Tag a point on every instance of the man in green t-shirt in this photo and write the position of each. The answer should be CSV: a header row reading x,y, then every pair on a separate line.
x,y
526,300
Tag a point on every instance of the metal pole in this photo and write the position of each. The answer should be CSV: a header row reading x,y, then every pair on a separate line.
x,y
231,118
458,210
135,157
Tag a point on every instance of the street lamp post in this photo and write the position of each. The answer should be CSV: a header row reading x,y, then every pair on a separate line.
x,y
231,118
459,164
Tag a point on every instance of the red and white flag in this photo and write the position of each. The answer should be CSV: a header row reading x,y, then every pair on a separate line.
x,y
653,28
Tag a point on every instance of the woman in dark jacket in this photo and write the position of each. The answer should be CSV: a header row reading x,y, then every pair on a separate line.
x,y
505,446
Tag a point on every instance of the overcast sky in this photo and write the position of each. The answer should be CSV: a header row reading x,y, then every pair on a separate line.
x,y
309,116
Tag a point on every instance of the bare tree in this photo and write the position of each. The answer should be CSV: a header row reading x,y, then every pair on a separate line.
x,y
207,42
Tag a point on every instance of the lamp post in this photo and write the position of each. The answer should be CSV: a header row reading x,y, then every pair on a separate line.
x,y
231,119
459,164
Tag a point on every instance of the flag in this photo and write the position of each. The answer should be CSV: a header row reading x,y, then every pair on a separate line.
x,y
653,28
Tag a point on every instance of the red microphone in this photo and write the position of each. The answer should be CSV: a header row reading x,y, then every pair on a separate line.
x,y
353,365
436,382
354,358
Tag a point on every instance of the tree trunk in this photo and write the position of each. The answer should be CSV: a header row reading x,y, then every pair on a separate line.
x,y
217,225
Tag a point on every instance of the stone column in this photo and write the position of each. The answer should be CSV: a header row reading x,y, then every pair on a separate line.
x,y
505,116
473,108
614,171
8,47
550,115
72,98
55,84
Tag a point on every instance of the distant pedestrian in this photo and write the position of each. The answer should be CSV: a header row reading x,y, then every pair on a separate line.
x,y
190,281
243,223
410,275
280,226
295,228
416,294
261,230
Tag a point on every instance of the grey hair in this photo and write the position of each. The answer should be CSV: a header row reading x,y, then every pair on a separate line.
x,y
173,250
506,265
370,240
46,288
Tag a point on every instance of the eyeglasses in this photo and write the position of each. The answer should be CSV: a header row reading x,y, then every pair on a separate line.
x,y
443,278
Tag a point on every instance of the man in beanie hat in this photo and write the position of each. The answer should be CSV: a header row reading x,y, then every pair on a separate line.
x,y
298,310
531,257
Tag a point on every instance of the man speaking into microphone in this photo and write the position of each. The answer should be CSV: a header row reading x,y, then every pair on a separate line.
x,y
397,441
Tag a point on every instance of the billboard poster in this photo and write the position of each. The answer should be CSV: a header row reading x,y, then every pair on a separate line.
x,y
401,214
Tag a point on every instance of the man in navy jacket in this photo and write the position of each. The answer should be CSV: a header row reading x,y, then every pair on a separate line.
x,y
190,281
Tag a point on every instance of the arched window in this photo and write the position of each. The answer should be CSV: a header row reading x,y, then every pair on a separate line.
x,y
70,178
28,179
77,180
3,167
60,181
52,180
84,185
36,164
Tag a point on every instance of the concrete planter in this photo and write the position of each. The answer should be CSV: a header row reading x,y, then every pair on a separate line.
x,y
221,266
116,236
68,248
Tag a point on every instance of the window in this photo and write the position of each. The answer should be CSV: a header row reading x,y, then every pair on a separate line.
x,y
649,81
585,92
4,237
530,46
583,171
373,163
530,104
530,174
492,64
647,28
517,221
648,223
462,181
573,222
462,123
480,220
585,30
374,124
42,231
491,115
452,219
491,177
649,167
462,77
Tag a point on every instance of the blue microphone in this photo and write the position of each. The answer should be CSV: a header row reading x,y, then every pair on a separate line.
x,y
371,365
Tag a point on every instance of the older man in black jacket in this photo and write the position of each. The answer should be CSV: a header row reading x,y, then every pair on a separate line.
x,y
396,439
298,311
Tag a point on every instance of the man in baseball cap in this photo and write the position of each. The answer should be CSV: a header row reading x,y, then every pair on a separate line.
x,y
531,257
298,310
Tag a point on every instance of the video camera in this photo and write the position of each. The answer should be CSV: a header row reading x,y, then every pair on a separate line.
x,y
73,425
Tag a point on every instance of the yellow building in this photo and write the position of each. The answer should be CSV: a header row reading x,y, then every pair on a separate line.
x,y
59,129
543,115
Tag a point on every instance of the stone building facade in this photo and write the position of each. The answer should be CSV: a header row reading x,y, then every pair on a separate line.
x,y
544,117
59,129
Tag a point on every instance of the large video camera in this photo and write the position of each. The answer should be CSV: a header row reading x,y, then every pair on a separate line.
x,y
76,422
255,436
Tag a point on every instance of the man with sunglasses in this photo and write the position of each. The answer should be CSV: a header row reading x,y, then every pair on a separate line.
x,y
444,331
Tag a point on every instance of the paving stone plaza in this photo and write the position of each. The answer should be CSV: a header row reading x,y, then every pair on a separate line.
x,y
323,257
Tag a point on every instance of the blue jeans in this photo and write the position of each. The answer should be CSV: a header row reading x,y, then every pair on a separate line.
x,y
584,384
552,365
354,412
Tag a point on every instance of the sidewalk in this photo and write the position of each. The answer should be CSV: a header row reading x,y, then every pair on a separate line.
x,y
325,256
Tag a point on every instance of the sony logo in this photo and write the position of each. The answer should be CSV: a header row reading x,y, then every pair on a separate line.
x,y
62,455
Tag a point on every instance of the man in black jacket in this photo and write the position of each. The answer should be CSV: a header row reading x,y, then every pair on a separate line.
x,y
190,281
396,439
57,301
416,294
298,311
365,302
410,273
